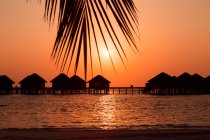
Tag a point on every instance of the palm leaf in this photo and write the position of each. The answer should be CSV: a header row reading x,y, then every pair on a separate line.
x,y
78,21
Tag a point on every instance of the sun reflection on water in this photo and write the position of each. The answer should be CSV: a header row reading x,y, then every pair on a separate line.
x,y
106,112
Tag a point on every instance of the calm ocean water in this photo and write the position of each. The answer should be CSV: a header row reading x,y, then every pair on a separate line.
x,y
115,111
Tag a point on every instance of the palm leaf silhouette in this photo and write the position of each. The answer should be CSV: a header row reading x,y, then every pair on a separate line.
x,y
80,21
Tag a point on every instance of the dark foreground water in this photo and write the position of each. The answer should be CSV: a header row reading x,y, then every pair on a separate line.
x,y
115,111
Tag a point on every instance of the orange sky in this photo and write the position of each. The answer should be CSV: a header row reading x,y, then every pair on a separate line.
x,y
175,37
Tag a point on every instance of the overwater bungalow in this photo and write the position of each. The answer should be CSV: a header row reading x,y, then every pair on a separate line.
x,y
61,82
184,81
197,82
6,84
159,84
207,80
189,84
77,84
183,84
32,84
207,84
99,83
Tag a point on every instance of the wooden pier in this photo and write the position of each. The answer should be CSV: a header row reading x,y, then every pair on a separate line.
x,y
111,90
126,90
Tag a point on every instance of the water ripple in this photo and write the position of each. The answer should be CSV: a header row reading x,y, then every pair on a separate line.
x,y
134,111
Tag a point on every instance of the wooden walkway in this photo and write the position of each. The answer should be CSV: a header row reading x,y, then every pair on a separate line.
x,y
111,90
126,90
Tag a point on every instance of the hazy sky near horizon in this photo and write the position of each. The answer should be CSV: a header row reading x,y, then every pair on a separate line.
x,y
175,38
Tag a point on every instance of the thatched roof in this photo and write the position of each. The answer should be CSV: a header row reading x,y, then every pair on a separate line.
x,y
197,77
5,79
207,79
76,78
33,78
99,78
185,76
160,77
60,78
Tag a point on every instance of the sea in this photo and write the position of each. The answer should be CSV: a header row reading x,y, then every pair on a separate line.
x,y
106,111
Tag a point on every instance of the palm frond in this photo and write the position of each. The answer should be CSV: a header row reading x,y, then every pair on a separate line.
x,y
81,21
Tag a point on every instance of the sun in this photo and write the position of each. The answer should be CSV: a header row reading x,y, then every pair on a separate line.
x,y
106,53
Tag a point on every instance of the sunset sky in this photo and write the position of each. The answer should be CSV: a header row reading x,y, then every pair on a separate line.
x,y
175,38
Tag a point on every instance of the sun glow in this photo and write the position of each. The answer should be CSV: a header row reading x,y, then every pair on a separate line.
x,y
106,53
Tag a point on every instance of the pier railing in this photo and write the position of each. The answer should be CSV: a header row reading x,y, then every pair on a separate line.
x,y
49,90
126,90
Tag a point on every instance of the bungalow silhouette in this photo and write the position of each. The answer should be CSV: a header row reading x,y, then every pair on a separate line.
x,y
207,83
5,84
32,84
198,82
77,83
61,82
184,81
183,84
99,83
159,83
